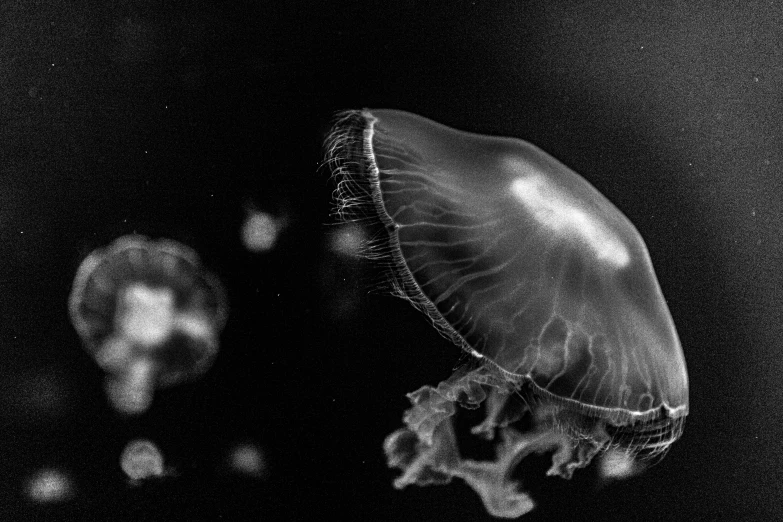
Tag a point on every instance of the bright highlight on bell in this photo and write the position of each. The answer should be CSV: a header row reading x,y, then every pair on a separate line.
x,y
553,211
523,264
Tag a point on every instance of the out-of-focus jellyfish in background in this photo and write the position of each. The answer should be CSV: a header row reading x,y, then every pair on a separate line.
x,y
247,459
49,486
538,277
348,240
261,230
149,314
142,460
616,464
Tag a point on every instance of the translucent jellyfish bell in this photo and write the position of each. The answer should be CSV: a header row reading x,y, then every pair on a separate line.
x,y
148,314
529,269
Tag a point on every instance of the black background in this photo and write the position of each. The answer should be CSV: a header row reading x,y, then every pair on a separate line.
x,y
171,119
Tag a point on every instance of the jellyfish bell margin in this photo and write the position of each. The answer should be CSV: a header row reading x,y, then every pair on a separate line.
x,y
524,265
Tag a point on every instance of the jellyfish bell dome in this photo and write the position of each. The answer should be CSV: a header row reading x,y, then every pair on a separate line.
x,y
534,273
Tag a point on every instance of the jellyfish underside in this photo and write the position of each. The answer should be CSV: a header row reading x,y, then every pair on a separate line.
x,y
533,273
427,452
148,315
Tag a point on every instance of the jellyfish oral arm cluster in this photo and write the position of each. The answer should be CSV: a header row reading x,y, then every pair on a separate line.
x,y
524,265
146,314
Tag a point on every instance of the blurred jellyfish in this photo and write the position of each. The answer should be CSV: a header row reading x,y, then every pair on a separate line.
x,y
149,315
348,240
261,230
618,464
49,486
247,459
531,271
142,460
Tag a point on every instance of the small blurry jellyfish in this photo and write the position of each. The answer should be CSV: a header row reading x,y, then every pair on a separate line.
x,y
544,283
247,459
149,315
142,460
617,464
348,240
261,230
48,486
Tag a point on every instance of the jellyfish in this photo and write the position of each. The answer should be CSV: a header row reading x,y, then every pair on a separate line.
x,y
49,486
247,459
261,230
544,284
149,315
142,460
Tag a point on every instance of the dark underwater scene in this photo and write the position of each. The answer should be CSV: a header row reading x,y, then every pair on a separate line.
x,y
198,321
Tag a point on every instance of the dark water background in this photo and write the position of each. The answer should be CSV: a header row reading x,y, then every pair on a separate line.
x,y
169,119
